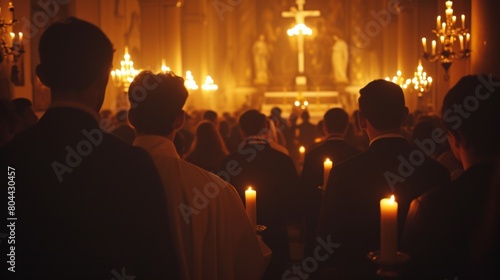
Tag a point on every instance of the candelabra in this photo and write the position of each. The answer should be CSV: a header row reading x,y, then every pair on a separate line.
x,y
15,48
209,84
448,34
123,77
190,83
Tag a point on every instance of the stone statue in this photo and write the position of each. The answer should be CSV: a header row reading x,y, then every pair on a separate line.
x,y
340,60
260,53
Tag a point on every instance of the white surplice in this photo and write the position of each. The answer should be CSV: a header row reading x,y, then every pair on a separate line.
x,y
214,236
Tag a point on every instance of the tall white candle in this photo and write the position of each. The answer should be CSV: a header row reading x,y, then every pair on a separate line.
x,y
327,167
424,44
433,47
438,23
463,21
389,229
251,205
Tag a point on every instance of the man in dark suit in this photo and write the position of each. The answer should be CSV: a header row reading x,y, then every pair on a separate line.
x,y
274,177
350,213
445,233
87,205
335,148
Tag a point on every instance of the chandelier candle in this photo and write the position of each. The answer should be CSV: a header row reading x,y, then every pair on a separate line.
x,y
389,229
302,152
327,166
251,206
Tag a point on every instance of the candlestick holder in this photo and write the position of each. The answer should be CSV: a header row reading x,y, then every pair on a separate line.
x,y
388,269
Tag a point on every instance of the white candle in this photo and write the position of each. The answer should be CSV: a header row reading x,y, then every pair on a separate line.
x,y
251,206
443,26
438,23
461,38
327,167
463,21
433,47
454,19
467,40
20,38
389,229
302,152
424,44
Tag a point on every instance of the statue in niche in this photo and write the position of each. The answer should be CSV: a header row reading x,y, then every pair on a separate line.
x,y
261,56
340,59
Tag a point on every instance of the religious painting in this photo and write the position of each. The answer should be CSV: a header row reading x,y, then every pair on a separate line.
x,y
327,29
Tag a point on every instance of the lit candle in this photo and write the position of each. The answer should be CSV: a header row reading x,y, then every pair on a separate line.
x,y
433,47
443,26
442,39
389,229
251,206
467,40
463,21
424,44
461,38
20,38
454,19
438,23
12,36
302,152
327,167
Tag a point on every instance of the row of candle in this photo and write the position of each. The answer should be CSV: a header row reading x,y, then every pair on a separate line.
x,y
463,45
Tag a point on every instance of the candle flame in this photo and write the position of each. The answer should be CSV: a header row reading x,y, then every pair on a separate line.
x,y
392,198
327,160
302,149
249,188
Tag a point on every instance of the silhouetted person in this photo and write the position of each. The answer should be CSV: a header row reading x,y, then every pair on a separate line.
x,y
24,110
350,213
337,150
274,177
208,150
307,131
214,237
88,205
442,227
211,116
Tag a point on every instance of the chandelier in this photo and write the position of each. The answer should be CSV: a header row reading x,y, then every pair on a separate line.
x,y
448,35
15,48
125,75
420,83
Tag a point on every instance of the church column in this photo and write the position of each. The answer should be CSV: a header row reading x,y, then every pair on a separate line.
x,y
485,41
194,38
161,34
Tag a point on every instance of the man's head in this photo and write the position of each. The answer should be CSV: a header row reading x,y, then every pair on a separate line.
x,y
210,116
382,104
75,56
305,116
157,101
252,123
471,115
335,121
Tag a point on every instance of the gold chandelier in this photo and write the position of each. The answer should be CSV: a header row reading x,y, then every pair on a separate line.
x,y
15,47
448,36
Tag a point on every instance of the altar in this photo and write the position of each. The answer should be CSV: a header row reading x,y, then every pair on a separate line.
x,y
316,102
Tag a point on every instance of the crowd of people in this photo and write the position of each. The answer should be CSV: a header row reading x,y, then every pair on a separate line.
x,y
155,192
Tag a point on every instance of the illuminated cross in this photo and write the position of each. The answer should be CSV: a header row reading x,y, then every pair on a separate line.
x,y
300,29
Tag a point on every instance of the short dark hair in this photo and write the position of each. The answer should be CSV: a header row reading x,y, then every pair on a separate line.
x,y
21,104
305,116
210,115
73,54
336,120
383,104
252,122
479,97
156,101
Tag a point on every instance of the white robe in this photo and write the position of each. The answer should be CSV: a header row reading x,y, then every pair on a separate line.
x,y
213,234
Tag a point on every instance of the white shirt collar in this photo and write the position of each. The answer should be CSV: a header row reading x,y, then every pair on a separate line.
x,y
388,135
156,143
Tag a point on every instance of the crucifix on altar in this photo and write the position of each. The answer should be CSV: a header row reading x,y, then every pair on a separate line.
x,y
300,30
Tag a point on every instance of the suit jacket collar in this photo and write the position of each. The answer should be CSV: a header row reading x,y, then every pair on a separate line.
x,y
67,118
387,136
